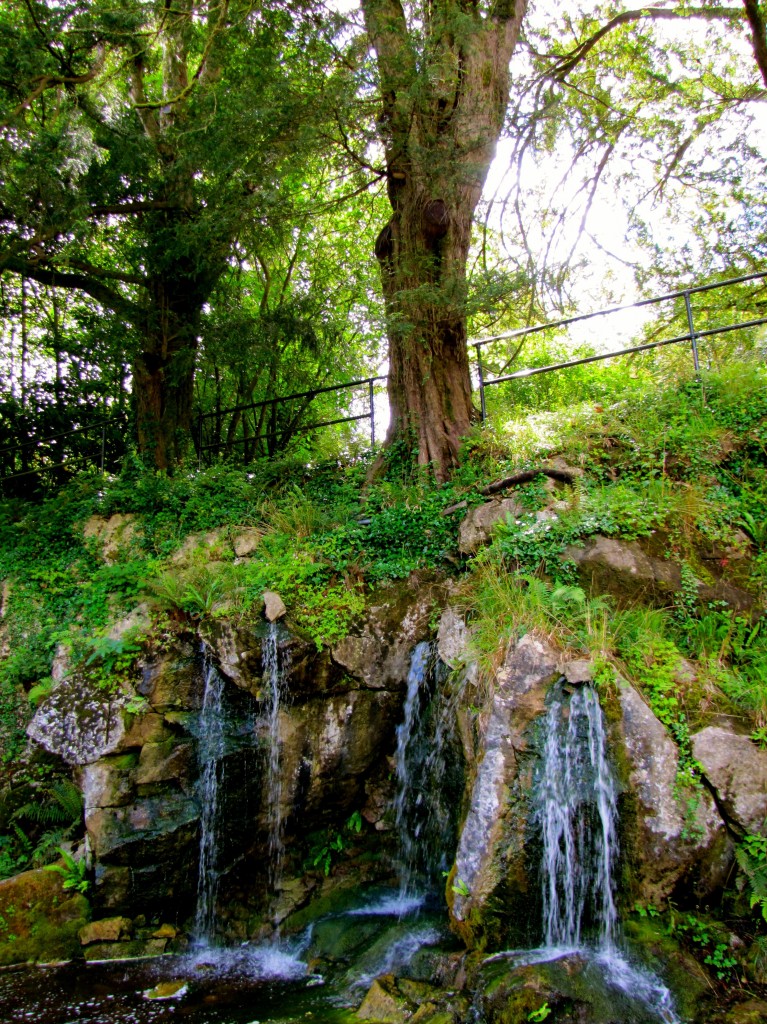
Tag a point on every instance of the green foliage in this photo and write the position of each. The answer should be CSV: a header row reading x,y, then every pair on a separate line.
x,y
460,888
540,1014
706,938
38,825
72,871
327,846
60,804
751,855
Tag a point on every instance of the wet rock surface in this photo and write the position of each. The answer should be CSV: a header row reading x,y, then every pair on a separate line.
x,y
492,869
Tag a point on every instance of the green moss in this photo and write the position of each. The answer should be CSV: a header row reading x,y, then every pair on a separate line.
x,y
39,921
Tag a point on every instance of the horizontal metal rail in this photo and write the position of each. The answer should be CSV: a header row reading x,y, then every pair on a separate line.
x,y
276,433
693,290
289,398
301,428
692,336
622,352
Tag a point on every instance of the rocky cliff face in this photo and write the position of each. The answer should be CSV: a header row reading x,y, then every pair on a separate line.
x,y
136,755
137,758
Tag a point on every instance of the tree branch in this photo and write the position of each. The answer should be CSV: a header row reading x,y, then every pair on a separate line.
x,y
73,282
564,63
50,81
106,275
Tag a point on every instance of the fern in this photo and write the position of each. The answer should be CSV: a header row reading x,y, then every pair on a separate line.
x,y
69,798
752,859
61,804
46,849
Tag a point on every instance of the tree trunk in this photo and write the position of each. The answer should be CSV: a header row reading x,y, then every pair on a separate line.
x,y
163,372
423,270
444,91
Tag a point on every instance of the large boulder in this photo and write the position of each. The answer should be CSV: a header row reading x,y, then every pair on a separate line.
x,y
625,570
40,919
113,538
632,573
378,653
490,887
673,834
80,723
477,527
737,770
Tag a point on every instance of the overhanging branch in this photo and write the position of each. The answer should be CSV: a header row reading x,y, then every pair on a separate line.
x,y
87,283
564,63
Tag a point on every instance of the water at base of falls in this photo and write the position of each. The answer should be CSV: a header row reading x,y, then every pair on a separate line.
x,y
240,985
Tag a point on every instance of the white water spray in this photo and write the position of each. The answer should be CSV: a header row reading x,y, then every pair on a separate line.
x,y
210,753
577,812
276,670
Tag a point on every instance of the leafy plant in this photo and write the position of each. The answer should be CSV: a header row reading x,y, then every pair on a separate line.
x,y
751,855
759,736
330,844
72,871
540,1014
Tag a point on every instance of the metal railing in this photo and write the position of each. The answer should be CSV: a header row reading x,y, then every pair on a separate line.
x,y
691,335
266,433
99,444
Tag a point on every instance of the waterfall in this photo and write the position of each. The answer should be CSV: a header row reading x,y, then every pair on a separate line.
x,y
577,811
405,733
276,671
423,804
210,753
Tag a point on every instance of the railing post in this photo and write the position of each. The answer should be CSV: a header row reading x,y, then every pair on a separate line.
x,y
480,372
199,441
693,340
371,398
103,445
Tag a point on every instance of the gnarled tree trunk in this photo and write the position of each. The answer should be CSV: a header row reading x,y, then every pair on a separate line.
x,y
444,91
163,371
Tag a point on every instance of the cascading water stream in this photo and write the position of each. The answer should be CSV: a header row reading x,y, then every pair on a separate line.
x,y
422,806
577,811
405,733
210,752
276,671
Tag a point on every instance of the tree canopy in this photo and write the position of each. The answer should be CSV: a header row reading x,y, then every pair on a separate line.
x,y
195,187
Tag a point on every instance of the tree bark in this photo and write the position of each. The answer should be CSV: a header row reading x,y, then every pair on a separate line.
x,y
163,370
756,22
443,103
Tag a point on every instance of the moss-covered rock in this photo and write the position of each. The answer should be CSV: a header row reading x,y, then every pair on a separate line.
x,y
39,920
